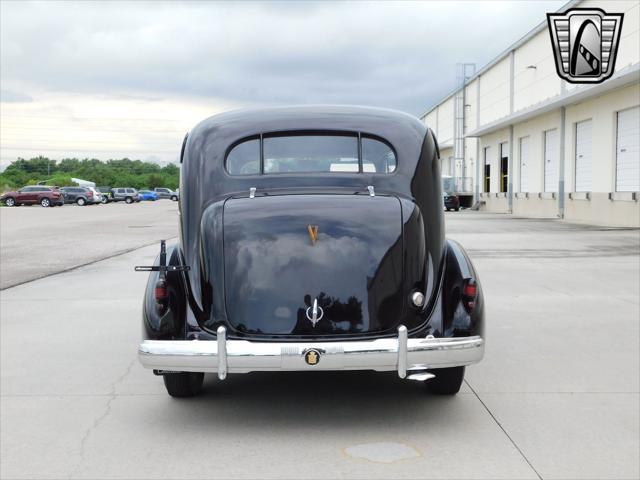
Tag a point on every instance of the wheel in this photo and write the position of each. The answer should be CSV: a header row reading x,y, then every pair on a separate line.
x,y
45,202
128,200
174,198
447,381
81,202
183,384
457,209
10,201
104,200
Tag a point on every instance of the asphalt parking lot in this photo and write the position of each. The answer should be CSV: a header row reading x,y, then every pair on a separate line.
x,y
36,242
557,395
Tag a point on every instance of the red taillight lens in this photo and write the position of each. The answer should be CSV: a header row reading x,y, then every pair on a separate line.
x,y
161,292
469,294
90,193
470,289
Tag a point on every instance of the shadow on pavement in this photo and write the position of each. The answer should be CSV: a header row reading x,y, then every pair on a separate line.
x,y
308,400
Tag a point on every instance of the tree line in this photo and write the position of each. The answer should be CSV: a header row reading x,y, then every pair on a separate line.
x,y
113,173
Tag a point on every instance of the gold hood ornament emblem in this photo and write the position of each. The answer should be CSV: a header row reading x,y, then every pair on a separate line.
x,y
313,233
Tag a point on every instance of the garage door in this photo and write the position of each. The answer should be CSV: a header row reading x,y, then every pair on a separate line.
x,y
551,173
584,147
628,151
524,164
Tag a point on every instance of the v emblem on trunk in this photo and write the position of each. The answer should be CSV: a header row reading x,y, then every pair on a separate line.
x,y
313,233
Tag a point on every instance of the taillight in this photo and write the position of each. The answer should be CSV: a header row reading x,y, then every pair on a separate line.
x,y
161,291
470,294
90,193
161,295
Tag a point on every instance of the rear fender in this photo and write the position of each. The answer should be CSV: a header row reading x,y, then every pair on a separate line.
x,y
170,323
456,321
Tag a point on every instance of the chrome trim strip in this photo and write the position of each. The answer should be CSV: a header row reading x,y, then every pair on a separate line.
x,y
243,356
402,351
222,352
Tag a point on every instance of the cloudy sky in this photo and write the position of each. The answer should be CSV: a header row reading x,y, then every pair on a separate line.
x,y
118,79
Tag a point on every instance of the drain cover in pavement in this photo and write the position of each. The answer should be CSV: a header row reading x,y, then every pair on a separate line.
x,y
382,452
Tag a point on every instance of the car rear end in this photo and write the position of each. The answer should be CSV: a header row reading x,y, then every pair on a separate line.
x,y
451,202
318,251
106,194
95,196
56,197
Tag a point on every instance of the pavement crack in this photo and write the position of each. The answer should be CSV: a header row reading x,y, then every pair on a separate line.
x,y
504,431
100,418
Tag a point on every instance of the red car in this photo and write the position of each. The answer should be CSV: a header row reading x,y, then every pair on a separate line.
x,y
30,195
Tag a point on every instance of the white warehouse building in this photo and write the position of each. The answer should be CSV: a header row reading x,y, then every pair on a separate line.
x,y
516,138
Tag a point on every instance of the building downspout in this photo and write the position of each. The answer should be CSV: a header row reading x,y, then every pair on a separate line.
x,y
511,108
479,165
510,169
561,166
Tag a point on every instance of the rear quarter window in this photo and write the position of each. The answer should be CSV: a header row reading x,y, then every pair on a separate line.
x,y
244,158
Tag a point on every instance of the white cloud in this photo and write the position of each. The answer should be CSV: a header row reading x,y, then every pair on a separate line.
x,y
178,61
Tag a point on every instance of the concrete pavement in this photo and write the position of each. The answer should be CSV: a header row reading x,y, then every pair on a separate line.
x,y
557,395
36,241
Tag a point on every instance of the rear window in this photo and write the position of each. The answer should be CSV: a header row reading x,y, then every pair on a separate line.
x,y
311,153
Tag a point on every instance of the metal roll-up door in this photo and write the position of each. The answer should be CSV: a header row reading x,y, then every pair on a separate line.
x,y
551,172
628,151
584,156
524,164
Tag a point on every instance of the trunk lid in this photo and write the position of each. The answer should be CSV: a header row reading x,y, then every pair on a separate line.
x,y
284,253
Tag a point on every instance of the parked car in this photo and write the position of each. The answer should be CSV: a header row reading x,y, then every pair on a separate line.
x,y
33,194
107,196
98,198
321,268
148,195
128,195
166,193
80,195
451,201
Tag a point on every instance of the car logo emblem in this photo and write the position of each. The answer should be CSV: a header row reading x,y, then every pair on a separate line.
x,y
313,233
312,356
315,313
585,43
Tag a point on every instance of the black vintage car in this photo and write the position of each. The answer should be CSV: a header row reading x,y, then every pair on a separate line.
x,y
312,238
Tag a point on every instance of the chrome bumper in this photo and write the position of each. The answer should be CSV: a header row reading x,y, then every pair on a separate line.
x,y
241,356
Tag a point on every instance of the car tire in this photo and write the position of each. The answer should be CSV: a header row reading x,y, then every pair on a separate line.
x,y
457,209
128,200
447,381
10,202
183,384
104,200
81,202
174,198
45,202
